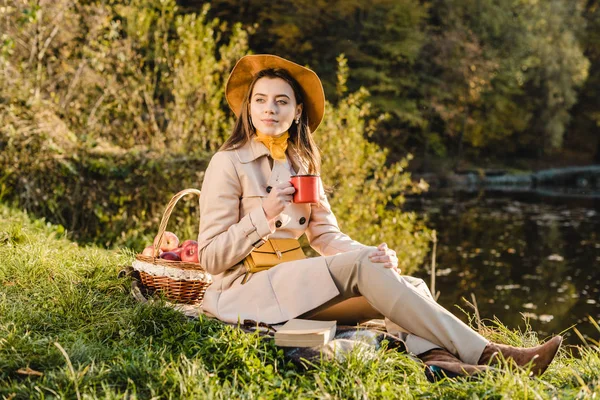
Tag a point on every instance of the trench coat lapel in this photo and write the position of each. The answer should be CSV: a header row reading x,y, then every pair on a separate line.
x,y
251,151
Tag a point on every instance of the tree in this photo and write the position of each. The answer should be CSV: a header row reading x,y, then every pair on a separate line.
x,y
507,72
554,68
584,129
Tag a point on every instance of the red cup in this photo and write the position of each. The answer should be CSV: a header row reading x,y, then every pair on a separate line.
x,y
307,188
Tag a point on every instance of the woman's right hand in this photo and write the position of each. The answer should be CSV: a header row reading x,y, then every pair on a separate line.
x,y
279,198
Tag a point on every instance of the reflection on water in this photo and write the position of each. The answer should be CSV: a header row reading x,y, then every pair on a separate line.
x,y
521,254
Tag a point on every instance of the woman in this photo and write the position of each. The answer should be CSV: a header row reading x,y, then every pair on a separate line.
x,y
247,199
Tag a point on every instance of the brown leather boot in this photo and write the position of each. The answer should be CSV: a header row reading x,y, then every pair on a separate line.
x,y
447,361
541,355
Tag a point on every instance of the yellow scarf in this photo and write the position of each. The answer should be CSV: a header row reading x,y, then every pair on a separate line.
x,y
276,145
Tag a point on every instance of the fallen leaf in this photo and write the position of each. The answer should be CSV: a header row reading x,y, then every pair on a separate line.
x,y
29,371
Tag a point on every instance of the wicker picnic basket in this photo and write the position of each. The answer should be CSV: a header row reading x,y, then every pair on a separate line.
x,y
179,281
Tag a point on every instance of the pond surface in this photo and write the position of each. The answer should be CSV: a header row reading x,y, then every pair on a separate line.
x,y
526,257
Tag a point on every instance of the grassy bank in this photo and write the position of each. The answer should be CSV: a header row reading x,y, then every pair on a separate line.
x,y
69,329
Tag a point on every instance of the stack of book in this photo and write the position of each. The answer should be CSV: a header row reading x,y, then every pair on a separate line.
x,y
305,333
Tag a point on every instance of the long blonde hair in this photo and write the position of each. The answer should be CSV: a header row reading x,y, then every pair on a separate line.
x,y
300,135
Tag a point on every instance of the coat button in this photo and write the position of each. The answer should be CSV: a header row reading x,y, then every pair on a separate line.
x,y
269,189
278,224
302,221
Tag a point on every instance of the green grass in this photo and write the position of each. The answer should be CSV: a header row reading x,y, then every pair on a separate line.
x,y
65,314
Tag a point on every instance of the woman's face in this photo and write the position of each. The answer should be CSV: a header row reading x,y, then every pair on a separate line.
x,y
273,106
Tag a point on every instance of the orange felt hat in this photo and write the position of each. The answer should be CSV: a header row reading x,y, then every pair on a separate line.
x,y
247,66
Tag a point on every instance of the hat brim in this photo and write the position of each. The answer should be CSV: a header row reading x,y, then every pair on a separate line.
x,y
242,74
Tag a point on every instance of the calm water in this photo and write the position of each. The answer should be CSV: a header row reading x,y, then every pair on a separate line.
x,y
522,255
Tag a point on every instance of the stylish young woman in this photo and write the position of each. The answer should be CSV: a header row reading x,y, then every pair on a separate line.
x,y
247,200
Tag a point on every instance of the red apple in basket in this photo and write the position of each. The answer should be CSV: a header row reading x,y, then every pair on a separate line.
x,y
169,241
190,251
171,256
186,242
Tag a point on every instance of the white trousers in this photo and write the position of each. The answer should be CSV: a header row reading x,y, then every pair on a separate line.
x,y
368,290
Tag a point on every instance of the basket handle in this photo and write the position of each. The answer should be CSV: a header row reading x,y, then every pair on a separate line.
x,y
167,214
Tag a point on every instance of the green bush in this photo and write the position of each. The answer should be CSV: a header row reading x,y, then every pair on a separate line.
x,y
367,195
132,73
105,196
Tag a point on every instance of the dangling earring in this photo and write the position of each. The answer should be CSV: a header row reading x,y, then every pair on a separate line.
x,y
297,120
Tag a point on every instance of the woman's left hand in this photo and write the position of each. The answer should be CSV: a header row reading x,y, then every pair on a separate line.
x,y
385,255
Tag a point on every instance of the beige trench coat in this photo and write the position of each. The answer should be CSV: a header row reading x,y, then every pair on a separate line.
x,y
233,223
